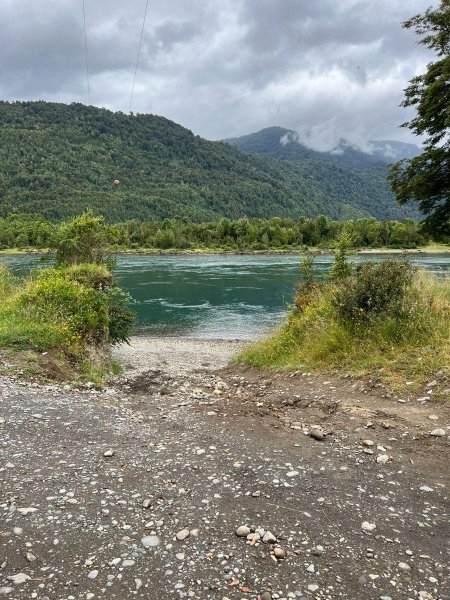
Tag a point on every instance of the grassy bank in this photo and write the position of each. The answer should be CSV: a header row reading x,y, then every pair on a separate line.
x,y
387,321
60,322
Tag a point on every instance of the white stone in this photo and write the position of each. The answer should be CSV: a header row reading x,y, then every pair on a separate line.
x,y
150,541
366,526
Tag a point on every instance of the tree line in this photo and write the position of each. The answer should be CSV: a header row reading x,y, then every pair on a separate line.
x,y
30,231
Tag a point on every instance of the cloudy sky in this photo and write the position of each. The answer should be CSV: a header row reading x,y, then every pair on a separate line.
x,y
326,68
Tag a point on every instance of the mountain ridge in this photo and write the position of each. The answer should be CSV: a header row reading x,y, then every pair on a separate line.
x,y
57,160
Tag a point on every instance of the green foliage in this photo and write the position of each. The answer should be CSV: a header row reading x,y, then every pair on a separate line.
x,y
70,308
81,240
341,268
307,269
87,238
82,311
58,160
376,289
387,321
426,178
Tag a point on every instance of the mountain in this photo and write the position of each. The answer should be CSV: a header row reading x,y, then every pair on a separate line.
x,y
359,176
57,160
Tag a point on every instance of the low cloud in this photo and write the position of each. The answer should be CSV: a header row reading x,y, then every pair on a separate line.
x,y
326,69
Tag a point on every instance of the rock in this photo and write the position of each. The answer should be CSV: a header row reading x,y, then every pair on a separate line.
x,y
5,591
26,511
368,443
30,557
317,434
312,587
108,453
366,526
382,459
242,531
269,538
180,556
438,432
425,488
150,541
128,562
311,568
93,574
404,567
19,578
266,596
279,553
17,531
292,474
147,503
318,551
182,535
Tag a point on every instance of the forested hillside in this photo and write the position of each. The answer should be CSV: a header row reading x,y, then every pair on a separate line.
x,y
359,176
57,160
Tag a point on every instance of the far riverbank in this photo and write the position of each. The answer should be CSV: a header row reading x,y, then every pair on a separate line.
x,y
431,249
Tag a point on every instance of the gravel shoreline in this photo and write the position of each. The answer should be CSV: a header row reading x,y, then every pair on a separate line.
x,y
175,355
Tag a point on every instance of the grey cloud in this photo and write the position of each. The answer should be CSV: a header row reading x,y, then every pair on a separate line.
x,y
328,69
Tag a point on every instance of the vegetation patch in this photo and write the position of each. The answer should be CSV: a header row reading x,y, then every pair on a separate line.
x,y
70,313
386,320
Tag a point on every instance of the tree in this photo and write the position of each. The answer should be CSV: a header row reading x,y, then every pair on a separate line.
x,y
82,240
426,178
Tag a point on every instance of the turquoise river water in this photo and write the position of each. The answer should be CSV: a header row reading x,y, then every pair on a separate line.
x,y
215,297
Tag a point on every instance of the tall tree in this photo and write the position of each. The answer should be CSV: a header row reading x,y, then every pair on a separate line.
x,y
426,178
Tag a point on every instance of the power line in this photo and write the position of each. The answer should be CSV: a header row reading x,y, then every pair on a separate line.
x,y
86,54
138,55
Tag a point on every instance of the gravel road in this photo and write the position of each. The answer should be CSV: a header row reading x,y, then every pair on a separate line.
x,y
336,489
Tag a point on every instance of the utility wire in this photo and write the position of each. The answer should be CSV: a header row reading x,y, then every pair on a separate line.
x,y
86,54
138,55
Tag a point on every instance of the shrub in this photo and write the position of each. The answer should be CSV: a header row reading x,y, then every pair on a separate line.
x,y
375,288
84,239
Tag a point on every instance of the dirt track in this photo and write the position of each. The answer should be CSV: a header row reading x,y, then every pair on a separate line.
x,y
90,479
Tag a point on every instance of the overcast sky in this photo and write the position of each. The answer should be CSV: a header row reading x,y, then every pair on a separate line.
x,y
326,68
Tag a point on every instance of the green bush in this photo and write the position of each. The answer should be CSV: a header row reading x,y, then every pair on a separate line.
x,y
54,297
375,289
83,301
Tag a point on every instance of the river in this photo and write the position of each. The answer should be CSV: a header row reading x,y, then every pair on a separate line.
x,y
216,297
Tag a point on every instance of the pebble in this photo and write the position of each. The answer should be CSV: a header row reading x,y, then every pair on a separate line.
x,y
182,535
108,453
269,538
266,596
368,443
30,557
425,488
242,531
438,432
93,574
311,568
4,591
279,553
382,459
366,526
292,474
404,567
19,578
312,587
128,562
150,541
